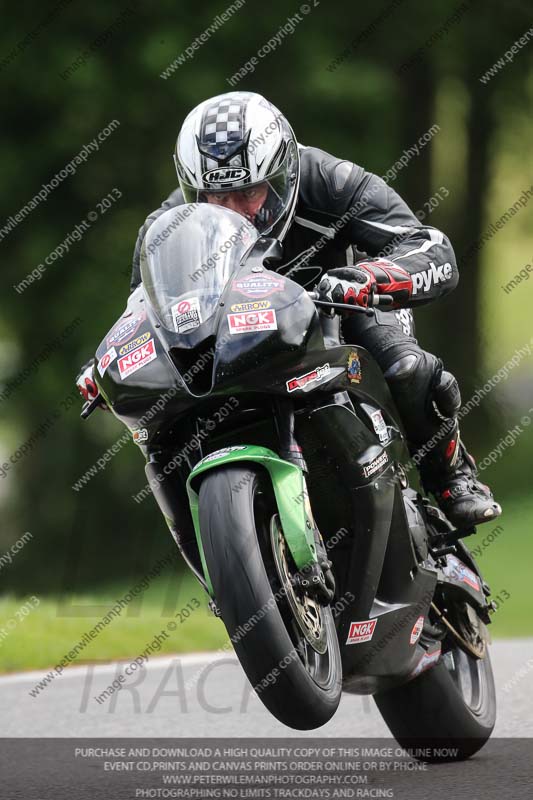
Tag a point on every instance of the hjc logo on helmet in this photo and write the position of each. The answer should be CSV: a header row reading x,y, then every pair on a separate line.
x,y
226,174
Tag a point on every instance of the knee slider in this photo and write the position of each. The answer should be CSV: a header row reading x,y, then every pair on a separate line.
x,y
447,395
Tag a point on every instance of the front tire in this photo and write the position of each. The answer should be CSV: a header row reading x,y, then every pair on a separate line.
x,y
299,685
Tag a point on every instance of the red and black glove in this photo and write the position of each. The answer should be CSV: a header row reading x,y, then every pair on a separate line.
x,y
357,285
85,382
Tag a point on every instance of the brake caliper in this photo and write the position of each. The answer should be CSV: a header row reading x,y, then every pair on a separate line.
x,y
317,580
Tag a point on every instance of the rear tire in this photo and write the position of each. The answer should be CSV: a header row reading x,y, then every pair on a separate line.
x,y
450,709
300,686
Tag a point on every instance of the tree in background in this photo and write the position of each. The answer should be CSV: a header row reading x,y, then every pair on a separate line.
x,y
87,66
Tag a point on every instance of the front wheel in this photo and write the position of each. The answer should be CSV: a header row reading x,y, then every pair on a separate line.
x,y
287,644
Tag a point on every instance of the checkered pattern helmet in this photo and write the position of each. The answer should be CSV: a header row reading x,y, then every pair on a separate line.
x,y
235,141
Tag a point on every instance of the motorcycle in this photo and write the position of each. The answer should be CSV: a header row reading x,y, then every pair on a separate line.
x,y
279,462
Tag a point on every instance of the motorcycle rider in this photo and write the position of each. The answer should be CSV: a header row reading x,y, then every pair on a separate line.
x,y
238,151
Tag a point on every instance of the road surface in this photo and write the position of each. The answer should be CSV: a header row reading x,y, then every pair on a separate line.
x,y
208,695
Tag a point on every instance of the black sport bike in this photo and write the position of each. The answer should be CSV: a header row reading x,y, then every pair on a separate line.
x,y
278,459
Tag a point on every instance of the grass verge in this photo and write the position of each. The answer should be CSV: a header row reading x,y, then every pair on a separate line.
x,y
48,632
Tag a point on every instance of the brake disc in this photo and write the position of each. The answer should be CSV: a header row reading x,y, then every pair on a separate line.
x,y
307,612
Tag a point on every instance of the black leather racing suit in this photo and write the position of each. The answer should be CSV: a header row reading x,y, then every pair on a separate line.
x,y
344,214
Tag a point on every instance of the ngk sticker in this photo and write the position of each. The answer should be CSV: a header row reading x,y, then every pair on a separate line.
x,y
186,315
137,359
106,360
303,381
417,630
361,631
251,321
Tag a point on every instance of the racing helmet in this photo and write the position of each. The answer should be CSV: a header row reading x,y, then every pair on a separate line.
x,y
239,142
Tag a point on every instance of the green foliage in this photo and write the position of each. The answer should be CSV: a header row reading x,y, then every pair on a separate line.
x,y
365,110
48,634
506,566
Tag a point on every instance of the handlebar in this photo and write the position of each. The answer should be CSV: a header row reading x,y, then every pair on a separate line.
x,y
383,299
377,300
89,406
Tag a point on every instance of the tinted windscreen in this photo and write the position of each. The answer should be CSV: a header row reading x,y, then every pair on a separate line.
x,y
187,258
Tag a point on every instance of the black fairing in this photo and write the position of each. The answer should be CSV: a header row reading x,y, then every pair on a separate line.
x,y
227,363
353,479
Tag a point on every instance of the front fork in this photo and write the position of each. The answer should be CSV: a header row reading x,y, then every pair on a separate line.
x,y
317,579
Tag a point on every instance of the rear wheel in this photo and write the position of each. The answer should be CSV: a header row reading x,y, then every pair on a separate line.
x,y
286,642
449,710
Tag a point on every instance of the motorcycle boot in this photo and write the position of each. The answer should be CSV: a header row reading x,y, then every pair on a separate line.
x,y
449,472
